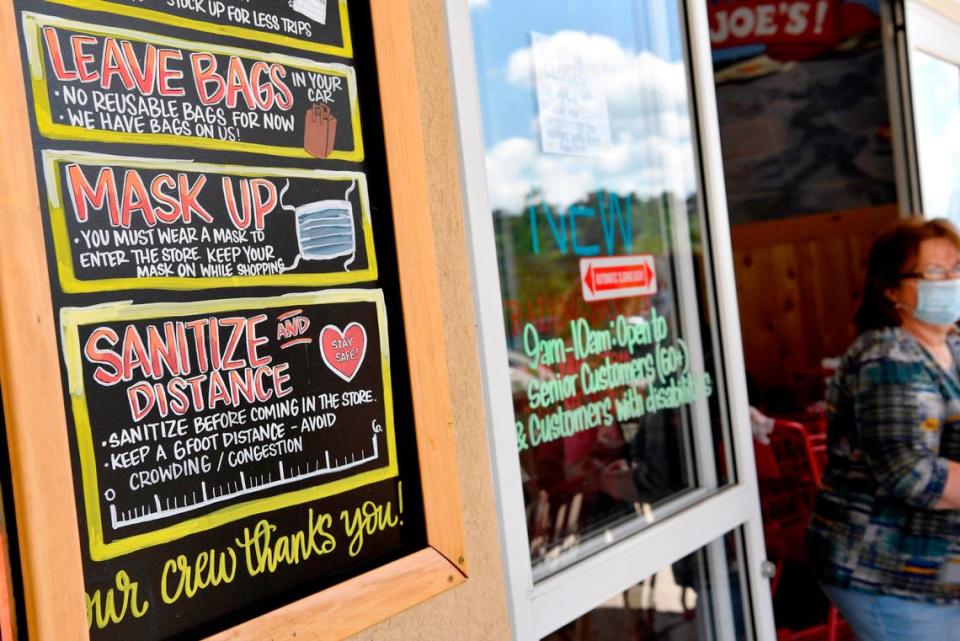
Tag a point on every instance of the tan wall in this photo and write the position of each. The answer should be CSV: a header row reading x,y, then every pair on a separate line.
x,y
477,610
949,8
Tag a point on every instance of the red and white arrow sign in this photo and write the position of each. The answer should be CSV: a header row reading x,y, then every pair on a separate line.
x,y
618,277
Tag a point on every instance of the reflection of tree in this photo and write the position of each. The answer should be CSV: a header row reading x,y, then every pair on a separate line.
x,y
546,285
590,480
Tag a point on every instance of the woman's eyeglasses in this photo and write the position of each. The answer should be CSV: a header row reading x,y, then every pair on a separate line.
x,y
935,273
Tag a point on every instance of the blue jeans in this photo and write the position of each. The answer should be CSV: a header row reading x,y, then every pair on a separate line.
x,y
878,617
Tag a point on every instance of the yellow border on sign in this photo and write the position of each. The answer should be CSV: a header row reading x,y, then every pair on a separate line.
x,y
34,22
64,248
246,33
71,318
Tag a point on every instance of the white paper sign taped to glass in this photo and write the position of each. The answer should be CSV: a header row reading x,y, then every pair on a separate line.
x,y
571,97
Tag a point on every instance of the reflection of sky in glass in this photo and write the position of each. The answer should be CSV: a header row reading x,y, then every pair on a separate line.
x,y
589,153
936,102
636,46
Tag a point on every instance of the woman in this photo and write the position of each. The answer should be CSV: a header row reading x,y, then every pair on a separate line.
x,y
885,536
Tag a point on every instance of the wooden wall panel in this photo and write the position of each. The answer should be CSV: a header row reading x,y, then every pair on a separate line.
x,y
798,285
754,270
787,299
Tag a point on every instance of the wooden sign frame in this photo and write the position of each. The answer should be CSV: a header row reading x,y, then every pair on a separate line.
x,y
36,427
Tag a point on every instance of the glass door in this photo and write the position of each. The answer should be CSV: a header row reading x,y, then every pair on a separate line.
x,y
934,65
607,314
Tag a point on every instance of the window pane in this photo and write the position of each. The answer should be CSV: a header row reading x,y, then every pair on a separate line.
x,y
701,597
936,104
602,252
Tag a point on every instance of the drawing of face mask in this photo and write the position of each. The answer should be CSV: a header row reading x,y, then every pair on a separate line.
x,y
325,230
316,10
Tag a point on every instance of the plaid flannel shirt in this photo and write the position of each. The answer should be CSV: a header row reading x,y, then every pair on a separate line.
x,y
894,418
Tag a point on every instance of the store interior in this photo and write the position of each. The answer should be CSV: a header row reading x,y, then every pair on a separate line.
x,y
808,153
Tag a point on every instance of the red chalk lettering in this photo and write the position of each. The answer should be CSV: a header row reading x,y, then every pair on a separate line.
x,y
118,61
56,56
82,193
258,198
165,201
256,91
166,73
111,369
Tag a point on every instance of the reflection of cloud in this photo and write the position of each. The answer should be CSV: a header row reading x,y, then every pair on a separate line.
x,y
650,152
628,77
937,87
940,171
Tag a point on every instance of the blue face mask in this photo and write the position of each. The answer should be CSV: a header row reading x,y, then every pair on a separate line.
x,y
938,301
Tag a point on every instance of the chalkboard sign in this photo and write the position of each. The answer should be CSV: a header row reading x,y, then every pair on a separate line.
x,y
225,409
135,223
120,85
310,25
242,377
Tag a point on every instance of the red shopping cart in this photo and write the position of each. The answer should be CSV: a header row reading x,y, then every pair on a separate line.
x,y
788,474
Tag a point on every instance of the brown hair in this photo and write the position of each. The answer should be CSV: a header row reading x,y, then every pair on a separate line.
x,y
892,254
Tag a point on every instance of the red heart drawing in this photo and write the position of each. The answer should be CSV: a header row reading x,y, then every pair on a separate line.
x,y
343,351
